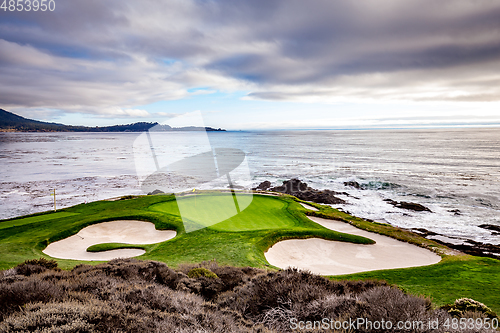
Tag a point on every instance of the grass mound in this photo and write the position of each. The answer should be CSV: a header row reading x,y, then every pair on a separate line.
x,y
113,246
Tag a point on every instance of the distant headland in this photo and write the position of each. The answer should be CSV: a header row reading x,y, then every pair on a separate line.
x,y
10,122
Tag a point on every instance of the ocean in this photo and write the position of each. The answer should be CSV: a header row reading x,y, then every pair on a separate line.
x,y
454,172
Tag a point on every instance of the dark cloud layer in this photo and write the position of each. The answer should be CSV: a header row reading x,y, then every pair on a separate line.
x,y
96,56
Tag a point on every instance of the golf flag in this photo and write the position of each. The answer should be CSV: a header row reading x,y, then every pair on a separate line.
x,y
194,190
53,192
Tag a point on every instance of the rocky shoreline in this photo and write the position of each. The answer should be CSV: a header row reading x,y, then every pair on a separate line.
x,y
302,191
464,245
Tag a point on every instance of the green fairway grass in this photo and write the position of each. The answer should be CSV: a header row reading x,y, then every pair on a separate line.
x,y
242,240
33,219
454,277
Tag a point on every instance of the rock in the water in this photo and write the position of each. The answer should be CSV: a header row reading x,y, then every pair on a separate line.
x,y
468,246
300,190
263,186
353,184
455,211
408,205
325,196
423,232
156,192
476,248
490,227
291,186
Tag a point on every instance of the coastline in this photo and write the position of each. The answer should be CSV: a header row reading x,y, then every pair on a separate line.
x,y
467,246
99,166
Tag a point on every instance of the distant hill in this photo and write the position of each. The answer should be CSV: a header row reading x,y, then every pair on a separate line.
x,y
10,122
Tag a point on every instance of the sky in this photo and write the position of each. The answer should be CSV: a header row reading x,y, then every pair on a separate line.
x,y
255,64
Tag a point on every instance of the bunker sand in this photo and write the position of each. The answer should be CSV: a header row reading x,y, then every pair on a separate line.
x,y
308,206
129,232
336,258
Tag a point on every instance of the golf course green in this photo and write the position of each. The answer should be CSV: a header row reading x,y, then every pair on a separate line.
x,y
207,210
242,239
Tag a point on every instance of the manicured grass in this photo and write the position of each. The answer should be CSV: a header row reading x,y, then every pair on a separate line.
x,y
241,240
454,277
33,219
218,212
21,240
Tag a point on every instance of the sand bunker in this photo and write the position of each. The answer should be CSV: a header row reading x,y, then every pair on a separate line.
x,y
308,206
129,232
334,258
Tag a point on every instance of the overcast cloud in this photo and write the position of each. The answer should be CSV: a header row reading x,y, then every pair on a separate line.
x,y
107,57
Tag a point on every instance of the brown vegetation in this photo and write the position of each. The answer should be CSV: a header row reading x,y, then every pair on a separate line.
x,y
145,296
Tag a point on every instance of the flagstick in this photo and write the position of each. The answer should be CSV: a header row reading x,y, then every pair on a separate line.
x,y
54,194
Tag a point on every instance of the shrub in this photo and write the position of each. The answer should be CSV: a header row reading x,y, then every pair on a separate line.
x,y
16,294
118,296
210,288
49,264
290,286
200,271
468,305
129,295
28,270
36,266
9,272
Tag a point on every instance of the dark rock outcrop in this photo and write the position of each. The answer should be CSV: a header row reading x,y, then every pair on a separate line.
x,y
291,186
423,232
467,246
156,192
300,190
263,186
478,249
490,227
408,205
325,196
354,184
